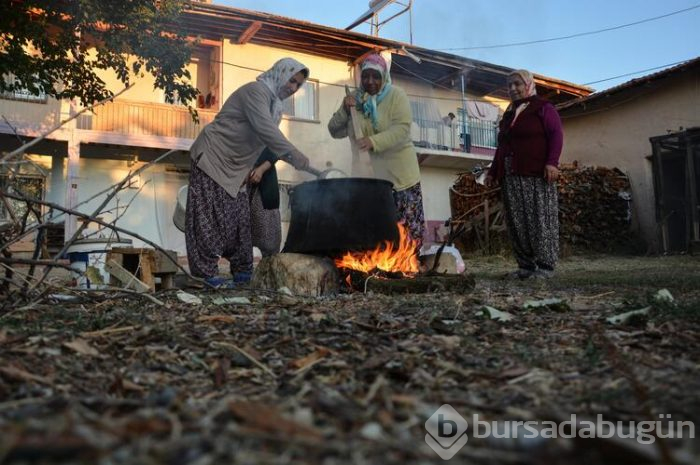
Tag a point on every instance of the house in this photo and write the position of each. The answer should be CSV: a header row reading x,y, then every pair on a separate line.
x,y
98,149
643,127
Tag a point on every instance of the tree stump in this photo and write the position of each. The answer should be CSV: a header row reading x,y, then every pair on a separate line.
x,y
302,274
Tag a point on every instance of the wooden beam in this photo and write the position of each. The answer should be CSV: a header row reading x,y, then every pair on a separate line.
x,y
248,34
125,277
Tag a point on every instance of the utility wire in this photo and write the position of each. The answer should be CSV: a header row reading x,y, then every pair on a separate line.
x,y
635,72
580,34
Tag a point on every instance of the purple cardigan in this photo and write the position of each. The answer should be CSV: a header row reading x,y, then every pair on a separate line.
x,y
535,140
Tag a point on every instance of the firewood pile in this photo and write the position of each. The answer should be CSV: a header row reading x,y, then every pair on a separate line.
x,y
594,209
477,215
594,206
467,196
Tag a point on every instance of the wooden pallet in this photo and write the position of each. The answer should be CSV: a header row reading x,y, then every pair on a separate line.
x,y
481,223
138,268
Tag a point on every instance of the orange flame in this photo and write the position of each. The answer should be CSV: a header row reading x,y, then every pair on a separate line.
x,y
402,259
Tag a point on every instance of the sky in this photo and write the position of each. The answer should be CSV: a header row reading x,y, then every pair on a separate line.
x,y
448,25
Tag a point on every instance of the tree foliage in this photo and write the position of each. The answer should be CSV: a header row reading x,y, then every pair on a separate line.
x,y
57,47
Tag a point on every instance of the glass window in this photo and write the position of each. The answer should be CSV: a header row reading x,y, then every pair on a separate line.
x,y
303,103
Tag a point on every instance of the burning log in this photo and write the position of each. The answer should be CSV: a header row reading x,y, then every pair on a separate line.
x,y
381,283
387,257
390,269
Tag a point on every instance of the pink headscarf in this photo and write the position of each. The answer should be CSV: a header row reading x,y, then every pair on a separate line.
x,y
368,103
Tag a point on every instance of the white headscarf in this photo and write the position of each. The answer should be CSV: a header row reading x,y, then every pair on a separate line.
x,y
276,77
530,90
527,78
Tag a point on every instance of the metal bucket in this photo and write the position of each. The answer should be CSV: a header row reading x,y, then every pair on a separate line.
x,y
180,208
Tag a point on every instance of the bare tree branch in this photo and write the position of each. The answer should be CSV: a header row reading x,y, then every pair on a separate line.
x,y
103,223
37,227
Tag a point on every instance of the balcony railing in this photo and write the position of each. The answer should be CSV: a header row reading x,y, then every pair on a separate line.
x,y
149,119
438,135
481,133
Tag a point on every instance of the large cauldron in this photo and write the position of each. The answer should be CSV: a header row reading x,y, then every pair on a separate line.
x,y
337,215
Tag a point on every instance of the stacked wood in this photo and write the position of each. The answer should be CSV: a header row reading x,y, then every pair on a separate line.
x,y
466,195
477,222
594,209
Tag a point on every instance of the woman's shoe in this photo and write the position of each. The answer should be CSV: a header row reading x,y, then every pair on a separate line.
x,y
242,277
220,283
521,273
543,274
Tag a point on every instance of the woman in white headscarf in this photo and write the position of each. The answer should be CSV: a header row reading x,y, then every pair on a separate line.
x,y
530,141
217,222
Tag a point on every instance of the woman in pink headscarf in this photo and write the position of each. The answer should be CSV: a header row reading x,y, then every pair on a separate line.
x,y
386,124
530,141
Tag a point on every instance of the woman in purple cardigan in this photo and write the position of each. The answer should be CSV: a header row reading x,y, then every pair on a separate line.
x,y
526,163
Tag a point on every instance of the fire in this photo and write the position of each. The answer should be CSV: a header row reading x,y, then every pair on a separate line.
x,y
385,257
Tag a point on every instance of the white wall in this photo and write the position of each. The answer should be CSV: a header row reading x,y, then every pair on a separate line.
x,y
151,211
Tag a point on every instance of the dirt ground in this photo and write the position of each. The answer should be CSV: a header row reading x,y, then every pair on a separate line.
x,y
249,376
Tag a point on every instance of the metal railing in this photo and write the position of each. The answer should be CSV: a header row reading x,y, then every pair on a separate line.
x,y
439,135
481,133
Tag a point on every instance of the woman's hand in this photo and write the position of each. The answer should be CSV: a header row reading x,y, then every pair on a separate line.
x,y
257,173
348,103
365,144
551,173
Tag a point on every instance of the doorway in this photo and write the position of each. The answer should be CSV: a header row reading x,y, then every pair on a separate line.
x,y
676,169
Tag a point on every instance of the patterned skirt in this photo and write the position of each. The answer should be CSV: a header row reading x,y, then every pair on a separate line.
x,y
216,225
409,205
532,216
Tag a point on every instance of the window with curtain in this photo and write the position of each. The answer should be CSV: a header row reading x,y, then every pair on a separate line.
x,y
304,103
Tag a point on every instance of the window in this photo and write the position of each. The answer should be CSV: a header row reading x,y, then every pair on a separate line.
x,y
304,103
21,93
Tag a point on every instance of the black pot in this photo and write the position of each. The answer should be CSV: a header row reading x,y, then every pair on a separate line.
x,y
332,216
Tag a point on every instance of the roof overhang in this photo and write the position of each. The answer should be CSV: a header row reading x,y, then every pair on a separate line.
x,y
625,91
215,22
